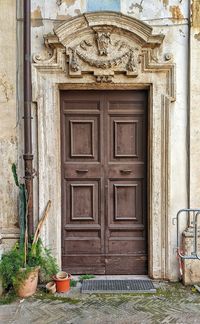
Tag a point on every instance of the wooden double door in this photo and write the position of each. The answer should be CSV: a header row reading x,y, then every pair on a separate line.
x,y
104,145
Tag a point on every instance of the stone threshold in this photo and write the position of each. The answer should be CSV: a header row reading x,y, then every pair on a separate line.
x,y
115,277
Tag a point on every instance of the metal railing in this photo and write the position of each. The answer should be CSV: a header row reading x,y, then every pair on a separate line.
x,y
194,222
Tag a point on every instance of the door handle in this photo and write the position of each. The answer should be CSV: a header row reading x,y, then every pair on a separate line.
x,y
81,171
126,171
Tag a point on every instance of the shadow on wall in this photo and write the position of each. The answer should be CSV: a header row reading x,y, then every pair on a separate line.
x,y
112,5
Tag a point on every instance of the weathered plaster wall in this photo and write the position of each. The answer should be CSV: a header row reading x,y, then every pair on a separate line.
x,y
8,123
169,17
176,43
194,105
173,10
191,267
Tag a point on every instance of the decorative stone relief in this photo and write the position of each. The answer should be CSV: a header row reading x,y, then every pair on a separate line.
x,y
46,56
104,78
74,66
168,57
105,46
103,41
104,53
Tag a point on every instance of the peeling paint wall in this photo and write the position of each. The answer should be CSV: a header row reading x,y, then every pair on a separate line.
x,y
113,5
36,18
8,124
194,104
172,10
195,13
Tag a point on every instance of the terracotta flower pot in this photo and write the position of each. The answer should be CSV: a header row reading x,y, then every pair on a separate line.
x,y
62,285
51,287
29,286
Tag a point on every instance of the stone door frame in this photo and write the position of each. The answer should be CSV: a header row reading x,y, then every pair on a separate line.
x,y
143,66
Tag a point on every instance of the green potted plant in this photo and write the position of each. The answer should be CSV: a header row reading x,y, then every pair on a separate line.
x,y
22,275
20,266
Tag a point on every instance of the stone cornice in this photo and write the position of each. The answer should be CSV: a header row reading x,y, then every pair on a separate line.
x,y
138,29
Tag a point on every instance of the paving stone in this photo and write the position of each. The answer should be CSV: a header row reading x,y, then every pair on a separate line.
x,y
7,313
172,304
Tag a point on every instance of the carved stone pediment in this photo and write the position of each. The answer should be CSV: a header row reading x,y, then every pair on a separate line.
x,y
104,45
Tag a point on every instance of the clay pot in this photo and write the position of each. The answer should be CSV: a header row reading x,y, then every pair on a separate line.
x,y
51,287
62,285
61,275
29,286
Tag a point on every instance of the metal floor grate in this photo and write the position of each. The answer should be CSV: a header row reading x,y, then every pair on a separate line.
x,y
118,286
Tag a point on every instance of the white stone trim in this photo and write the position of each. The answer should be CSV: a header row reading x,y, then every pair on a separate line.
x,y
52,74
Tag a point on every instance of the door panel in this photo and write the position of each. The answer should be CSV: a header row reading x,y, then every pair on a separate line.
x,y
82,178
126,178
83,132
121,129
104,181
126,202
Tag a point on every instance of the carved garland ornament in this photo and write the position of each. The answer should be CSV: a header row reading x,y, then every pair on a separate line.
x,y
104,54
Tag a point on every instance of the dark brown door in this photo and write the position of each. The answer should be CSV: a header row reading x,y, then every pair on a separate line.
x,y
104,223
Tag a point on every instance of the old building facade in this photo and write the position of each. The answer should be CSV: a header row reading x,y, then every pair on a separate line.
x,y
115,95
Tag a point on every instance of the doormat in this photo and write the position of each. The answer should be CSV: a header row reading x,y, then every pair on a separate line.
x,y
117,286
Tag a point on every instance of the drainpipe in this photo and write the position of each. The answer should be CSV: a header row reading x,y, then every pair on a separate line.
x,y
189,108
28,155
189,98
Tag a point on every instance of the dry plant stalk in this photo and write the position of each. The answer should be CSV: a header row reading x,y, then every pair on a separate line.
x,y
41,222
26,234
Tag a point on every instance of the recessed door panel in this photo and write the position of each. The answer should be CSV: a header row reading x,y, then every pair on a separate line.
x,y
126,204
82,201
82,134
126,137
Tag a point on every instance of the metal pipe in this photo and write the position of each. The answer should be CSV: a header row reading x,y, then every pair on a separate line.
x,y
28,155
196,235
189,105
194,254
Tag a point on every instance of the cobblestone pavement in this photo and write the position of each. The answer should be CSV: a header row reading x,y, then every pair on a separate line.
x,y
172,303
